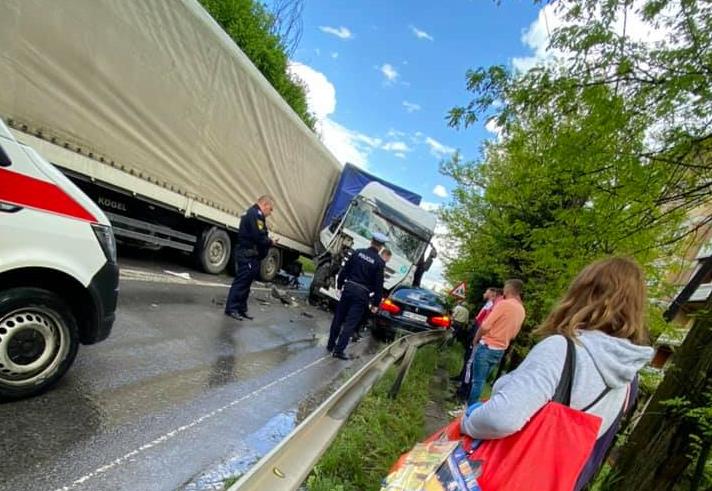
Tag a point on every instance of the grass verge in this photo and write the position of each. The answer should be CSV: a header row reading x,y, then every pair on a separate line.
x,y
381,429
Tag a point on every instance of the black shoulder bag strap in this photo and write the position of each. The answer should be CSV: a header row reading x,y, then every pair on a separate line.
x,y
597,399
563,390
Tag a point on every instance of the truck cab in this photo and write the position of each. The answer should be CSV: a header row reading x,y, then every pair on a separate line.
x,y
58,271
375,208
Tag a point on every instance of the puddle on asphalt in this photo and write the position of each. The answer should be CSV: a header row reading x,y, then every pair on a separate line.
x,y
129,402
254,446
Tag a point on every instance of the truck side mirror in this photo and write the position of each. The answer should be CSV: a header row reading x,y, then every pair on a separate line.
x,y
431,257
335,223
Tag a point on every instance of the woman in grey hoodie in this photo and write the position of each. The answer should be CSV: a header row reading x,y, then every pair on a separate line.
x,y
603,312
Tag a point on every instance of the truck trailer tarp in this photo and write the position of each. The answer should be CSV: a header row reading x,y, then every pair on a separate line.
x,y
157,89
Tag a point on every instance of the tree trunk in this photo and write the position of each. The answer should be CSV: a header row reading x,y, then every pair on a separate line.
x,y
656,454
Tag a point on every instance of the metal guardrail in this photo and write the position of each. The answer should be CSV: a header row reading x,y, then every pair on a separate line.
x,y
289,463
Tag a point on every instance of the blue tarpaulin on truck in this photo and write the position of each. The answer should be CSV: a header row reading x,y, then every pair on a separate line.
x,y
351,182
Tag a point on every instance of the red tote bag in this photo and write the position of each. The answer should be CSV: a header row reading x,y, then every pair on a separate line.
x,y
548,454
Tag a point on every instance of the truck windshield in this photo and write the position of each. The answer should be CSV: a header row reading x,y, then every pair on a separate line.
x,y
362,220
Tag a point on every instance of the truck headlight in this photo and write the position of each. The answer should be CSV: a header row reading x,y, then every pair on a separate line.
x,y
105,236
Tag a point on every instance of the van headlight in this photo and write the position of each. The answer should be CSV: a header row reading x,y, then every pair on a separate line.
x,y
105,236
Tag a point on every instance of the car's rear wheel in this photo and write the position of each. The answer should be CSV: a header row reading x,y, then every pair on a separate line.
x,y
38,341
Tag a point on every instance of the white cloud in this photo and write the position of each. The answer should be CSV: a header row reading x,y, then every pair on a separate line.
x,y
537,36
400,155
396,146
321,93
395,133
421,34
411,106
389,72
492,126
346,144
430,205
334,54
436,148
340,32
440,191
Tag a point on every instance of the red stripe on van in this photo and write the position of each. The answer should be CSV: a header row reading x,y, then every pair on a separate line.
x,y
21,190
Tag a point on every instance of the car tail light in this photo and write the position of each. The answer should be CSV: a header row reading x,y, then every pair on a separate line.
x,y
441,321
388,306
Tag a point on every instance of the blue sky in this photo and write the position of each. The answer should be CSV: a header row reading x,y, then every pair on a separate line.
x,y
382,75
396,68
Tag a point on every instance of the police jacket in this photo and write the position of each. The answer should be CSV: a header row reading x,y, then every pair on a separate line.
x,y
365,268
253,237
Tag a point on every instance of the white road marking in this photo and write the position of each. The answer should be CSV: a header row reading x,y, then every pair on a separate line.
x,y
181,429
151,277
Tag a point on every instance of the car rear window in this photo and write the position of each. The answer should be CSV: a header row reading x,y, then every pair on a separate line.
x,y
418,295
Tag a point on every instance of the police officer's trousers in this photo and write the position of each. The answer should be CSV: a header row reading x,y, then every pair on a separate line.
x,y
349,312
247,270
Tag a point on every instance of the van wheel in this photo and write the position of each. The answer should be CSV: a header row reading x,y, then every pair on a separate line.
x,y
38,341
318,280
213,251
270,265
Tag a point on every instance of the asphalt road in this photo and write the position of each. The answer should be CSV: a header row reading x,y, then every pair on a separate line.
x,y
179,397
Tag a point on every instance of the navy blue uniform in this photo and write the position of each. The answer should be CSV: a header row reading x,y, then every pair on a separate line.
x,y
253,243
361,276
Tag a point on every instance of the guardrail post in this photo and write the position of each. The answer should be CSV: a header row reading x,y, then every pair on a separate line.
x,y
405,364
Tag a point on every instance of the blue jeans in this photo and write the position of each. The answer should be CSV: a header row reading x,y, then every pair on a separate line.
x,y
485,360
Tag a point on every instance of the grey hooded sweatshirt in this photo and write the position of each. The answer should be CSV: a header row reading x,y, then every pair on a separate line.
x,y
601,361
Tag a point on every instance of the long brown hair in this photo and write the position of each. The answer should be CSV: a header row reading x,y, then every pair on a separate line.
x,y
608,296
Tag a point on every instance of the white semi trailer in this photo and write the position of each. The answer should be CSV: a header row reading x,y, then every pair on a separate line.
x,y
155,113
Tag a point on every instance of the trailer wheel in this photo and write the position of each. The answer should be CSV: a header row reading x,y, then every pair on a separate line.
x,y
213,251
270,265
38,341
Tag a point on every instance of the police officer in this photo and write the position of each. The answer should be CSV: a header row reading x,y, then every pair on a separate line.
x,y
253,243
361,276
386,255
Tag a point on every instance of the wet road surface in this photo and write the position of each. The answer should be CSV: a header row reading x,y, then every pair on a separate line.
x,y
179,397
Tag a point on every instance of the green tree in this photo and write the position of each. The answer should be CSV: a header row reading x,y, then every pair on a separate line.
x,y
251,26
676,430
603,150
564,186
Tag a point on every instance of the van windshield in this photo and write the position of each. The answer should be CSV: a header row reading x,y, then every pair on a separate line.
x,y
362,220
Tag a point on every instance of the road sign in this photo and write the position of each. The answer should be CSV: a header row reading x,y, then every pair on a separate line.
x,y
460,291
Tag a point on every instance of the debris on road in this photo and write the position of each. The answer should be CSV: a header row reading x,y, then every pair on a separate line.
x,y
185,276
282,296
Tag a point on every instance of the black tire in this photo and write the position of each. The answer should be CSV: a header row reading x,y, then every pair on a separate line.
x,y
39,339
214,250
270,265
318,280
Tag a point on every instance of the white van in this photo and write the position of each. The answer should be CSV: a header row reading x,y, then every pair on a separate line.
x,y
58,272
